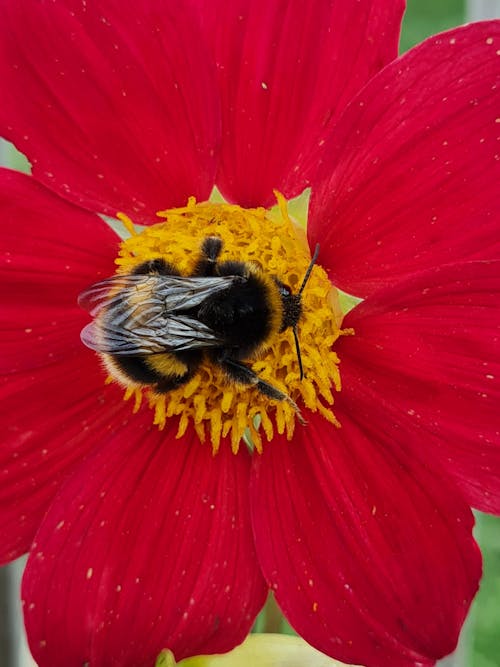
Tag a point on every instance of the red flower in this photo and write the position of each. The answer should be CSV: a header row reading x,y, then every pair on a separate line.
x,y
139,541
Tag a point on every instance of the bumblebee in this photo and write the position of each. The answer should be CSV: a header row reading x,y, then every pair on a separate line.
x,y
154,326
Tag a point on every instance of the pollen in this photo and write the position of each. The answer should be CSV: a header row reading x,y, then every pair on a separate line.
x,y
215,406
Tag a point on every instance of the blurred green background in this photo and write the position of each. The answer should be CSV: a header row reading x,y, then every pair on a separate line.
x,y
427,17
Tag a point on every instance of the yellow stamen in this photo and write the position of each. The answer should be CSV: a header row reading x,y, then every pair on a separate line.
x,y
216,407
127,223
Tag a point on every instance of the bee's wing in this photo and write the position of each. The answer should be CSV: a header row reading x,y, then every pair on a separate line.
x,y
103,293
144,314
173,334
179,293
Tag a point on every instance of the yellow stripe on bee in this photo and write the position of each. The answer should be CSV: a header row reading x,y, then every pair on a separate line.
x,y
166,365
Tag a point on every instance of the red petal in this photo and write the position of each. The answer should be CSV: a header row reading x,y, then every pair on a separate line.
x,y
410,174
148,546
286,71
370,554
424,366
51,419
51,385
49,252
115,106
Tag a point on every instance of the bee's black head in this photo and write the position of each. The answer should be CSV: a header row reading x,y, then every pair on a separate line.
x,y
292,307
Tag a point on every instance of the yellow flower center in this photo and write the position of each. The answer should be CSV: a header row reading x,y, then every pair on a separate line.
x,y
214,404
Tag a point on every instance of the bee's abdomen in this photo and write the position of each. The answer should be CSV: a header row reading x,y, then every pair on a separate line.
x,y
166,365
133,367
163,371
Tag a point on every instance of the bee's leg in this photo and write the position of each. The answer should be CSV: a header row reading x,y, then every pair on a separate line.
x,y
156,266
241,373
210,251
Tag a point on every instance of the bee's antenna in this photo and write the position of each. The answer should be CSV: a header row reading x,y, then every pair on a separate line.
x,y
297,347
295,332
309,269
